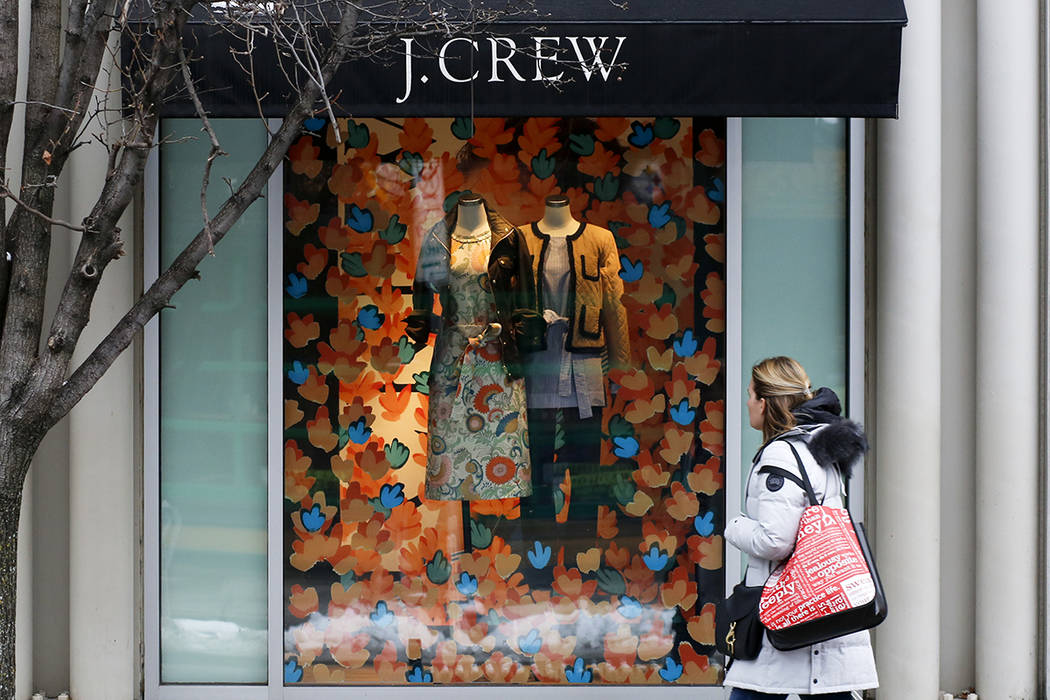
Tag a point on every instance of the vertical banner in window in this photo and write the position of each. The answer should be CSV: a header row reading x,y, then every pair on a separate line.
x,y
589,550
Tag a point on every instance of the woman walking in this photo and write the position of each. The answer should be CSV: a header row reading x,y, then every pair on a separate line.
x,y
782,405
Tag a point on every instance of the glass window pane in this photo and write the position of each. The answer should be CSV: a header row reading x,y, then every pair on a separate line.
x,y
444,523
795,256
213,421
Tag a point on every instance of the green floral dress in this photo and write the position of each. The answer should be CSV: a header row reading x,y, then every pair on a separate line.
x,y
478,446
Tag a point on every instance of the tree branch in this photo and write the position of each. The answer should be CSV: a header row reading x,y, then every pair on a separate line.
x,y
216,149
5,192
86,36
184,266
95,252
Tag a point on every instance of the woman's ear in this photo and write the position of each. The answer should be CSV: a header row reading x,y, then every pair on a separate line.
x,y
762,407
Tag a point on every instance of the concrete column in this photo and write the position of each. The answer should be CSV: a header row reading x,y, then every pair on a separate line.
x,y
908,368
1007,347
102,500
24,596
958,336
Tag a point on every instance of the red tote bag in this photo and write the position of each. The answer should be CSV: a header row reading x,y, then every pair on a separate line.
x,y
829,587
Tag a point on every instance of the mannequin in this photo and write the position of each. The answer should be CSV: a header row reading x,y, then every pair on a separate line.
x,y
578,288
477,263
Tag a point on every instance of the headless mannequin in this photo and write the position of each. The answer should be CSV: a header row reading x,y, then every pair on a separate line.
x,y
471,222
557,221
580,452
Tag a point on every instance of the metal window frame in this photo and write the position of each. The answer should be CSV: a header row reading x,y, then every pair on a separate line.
x,y
1043,590
857,303
153,688
734,565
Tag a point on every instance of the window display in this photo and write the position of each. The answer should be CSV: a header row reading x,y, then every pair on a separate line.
x,y
504,400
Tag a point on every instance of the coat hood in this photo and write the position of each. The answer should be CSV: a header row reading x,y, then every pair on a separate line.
x,y
840,442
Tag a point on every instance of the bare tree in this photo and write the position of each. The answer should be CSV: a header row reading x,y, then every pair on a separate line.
x,y
71,43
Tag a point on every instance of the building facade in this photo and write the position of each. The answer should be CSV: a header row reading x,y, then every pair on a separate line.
x,y
247,504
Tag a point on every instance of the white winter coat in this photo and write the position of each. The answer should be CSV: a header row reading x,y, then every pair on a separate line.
x,y
766,533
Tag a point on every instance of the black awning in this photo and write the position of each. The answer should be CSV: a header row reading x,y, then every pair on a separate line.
x,y
716,57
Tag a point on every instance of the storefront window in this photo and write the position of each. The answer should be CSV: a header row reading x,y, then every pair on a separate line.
x,y
463,505
212,374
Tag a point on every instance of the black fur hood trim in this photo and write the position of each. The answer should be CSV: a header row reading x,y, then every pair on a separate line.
x,y
840,442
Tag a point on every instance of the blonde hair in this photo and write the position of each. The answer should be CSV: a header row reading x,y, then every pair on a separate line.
x,y
784,384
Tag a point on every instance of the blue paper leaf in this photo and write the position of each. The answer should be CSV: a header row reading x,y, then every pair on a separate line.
x,y
641,136
655,560
718,194
530,643
416,675
625,447
360,220
682,414
359,432
293,672
629,607
382,615
687,345
391,496
671,671
577,674
298,374
296,286
467,584
312,519
369,317
630,271
660,215
539,555
704,524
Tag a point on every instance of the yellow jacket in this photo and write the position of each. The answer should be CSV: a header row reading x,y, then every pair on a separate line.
x,y
599,320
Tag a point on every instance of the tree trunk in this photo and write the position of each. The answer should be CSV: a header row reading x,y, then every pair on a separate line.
x,y
10,505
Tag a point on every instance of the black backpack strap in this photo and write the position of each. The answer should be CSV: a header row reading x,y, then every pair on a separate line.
x,y
803,482
807,486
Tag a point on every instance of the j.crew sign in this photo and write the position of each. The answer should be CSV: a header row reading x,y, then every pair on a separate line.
x,y
498,59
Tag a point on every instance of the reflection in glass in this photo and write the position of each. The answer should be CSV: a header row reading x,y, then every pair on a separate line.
x,y
795,255
213,422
